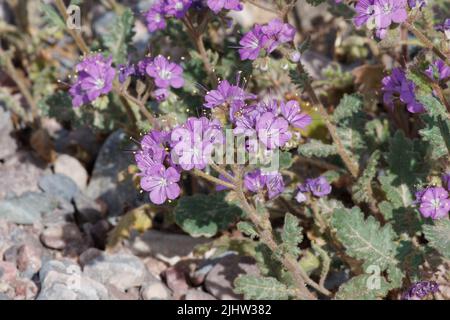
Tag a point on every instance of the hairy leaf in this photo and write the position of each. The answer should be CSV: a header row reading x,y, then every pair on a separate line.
x,y
316,148
291,235
438,236
261,288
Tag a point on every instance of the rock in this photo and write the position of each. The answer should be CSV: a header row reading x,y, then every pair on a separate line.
x,y
123,271
20,173
199,275
8,145
220,280
28,260
176,281
59,186
105,181
155,266
99,233
89,255
154,289
25,289
28,208
162,244
72,168
63,280
8,272
198,294
87,210
117,294
58,237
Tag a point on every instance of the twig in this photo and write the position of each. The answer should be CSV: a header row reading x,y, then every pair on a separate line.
x,y
212,179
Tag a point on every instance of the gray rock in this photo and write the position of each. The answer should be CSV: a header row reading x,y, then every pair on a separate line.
x,y
154,289
59,186
24,289
198,294
29,260
199,275
87,210
8,145
105,184
220,280
19,174
28,208
62,235
72,168
63,280
8,271
164,244
123,271
176,281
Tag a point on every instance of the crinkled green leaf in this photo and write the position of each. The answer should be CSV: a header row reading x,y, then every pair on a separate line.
x,y
291,235
261,288
438,236
316,148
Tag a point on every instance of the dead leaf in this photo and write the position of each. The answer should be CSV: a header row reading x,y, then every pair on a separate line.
x,y
42,143
369,77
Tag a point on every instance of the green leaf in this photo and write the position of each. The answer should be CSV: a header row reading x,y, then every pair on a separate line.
x,y
365,239
349,108
291,235
438,236
398,195
118,40
437,127
248,229
316,148
286,160
261,288
361,288
299,79
205,215
363,187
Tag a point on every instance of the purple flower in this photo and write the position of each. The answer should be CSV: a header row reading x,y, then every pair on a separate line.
x,y
252,43
319,187
300,197
445,27
277,32
166,73
438,71
126,71
155,17
365,10
273,131
419,3
446,180
177,8
388,12
255,181
95,78
142,65
434,202
152,150
161,94
194,142
420,290
218,5
292,113
398,86
225,94
161,183
275,184
225,179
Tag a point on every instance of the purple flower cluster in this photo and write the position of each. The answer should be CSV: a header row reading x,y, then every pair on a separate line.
x,y
438,71
162,9
434,202
319,187
397,86
95,77
258,181
420,290
218,5
381,14
265,37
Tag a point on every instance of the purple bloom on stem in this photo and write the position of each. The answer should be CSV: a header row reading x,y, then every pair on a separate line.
x,y
446,180
365,10
142,65
177,8
255,181
166,73
319,187
444,27
225,94
420,290
438,71
434,202
277,32
161,183
225,179
273,131
219,5
95,78
275,184
155,17
419,3
291,111
388,12
161,94
252,43
126,71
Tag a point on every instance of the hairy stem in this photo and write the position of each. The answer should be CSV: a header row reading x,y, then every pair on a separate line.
x,y
426,42
214,180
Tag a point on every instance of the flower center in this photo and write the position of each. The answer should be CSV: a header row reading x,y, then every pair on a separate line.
x,y
165,74
179,6
163,182
99,83
435,203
